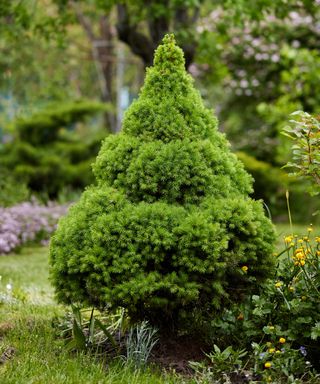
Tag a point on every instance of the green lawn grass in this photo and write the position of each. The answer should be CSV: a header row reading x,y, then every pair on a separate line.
x,y
26,325
40,357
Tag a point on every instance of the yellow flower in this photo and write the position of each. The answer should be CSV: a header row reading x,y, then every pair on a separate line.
x,y
278,284
282,340
271,350
318,239
306,238
300,241
310,229
300,255
288,239
302,263
267,364
318,253
244,268
291,289
277,351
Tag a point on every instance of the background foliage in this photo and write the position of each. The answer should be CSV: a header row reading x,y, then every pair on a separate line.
x,y
255,62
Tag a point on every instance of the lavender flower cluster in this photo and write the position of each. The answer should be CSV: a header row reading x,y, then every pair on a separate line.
x,y
28,222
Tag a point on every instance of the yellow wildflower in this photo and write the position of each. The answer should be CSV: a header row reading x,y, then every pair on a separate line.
x,y
318,253
318,239
271,350
277,351
300,255
244,268
310,229
288,239
282,340
291,289
278,284
267,364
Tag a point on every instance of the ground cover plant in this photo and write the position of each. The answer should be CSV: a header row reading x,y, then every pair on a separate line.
x,y
28,222
169,230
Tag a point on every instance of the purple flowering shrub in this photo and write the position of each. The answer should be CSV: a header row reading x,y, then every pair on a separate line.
x,y
28,222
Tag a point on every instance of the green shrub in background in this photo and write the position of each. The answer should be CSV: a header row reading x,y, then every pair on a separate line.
x,y
43,127
47,154
169,230
13,190
270,185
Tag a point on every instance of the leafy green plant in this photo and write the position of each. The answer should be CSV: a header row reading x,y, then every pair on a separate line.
x,y
88,334
169,229
287,305
304,131
221,365
278,362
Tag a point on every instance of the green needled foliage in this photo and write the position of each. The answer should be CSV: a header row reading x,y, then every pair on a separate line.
x,y
169,226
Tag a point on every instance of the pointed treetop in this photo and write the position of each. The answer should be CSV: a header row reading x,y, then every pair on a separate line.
x,y
168,55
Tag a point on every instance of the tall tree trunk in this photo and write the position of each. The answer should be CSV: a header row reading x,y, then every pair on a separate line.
x,y
144,43
106,57
102,49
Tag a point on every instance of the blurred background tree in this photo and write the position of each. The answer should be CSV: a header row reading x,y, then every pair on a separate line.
x,y
254,61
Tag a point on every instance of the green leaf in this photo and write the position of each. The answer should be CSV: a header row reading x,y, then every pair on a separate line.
x,y
315,331
108,335
78,335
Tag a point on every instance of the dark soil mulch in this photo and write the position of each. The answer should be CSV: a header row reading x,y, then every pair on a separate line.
x,y
175,353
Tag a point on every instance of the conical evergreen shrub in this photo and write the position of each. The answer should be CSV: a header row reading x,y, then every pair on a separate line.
x,y
169,229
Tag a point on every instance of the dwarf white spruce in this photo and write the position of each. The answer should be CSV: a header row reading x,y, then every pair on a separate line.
x,y
169,226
